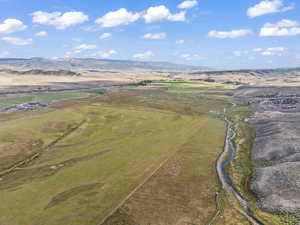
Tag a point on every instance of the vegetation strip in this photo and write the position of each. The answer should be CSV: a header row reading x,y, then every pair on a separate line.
x,y
218,210
225,179
36,155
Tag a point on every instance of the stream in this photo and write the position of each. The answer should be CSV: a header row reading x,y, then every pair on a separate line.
x,y
225,179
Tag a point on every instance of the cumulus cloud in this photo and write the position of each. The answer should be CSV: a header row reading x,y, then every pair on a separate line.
x,y
105,54
11,25
159,13
188,4
59,20
105,36
268,7
179,42
18,41
41,34
229,34
177,17
282,28
143,55
117,18
83,47
155,36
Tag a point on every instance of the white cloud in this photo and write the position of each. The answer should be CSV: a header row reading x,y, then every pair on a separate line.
x,y
83,47
105,54
117,18
41,34
155,36
186,57
268,7
268,53
144,55
59,20
178,17
105,36
282,28
179,42
18,41
188,4
277,49
287,23
11,25
79,49
274,51
229,34
257,49
158,13
191,57
240,53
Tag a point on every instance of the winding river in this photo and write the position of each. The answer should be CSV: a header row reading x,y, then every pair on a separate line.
x,y
225,179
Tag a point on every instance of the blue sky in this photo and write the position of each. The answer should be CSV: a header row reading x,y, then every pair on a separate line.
x,y
214,33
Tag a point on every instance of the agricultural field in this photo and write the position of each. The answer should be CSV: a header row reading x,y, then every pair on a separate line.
x,y
50,97
125,156
90,155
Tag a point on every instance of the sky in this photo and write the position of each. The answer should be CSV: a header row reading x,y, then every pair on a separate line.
x,y
231,34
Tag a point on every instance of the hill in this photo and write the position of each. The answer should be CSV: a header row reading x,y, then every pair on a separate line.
x,y
94,64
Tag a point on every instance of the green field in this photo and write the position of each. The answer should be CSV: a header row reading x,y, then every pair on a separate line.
x,y
77,163
42,98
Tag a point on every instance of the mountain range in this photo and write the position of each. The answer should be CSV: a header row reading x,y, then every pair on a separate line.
x,y
94,64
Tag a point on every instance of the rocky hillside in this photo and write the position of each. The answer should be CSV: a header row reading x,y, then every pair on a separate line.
x,y
276,150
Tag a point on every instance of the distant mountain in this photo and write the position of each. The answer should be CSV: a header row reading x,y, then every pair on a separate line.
x,y
255,72
94,64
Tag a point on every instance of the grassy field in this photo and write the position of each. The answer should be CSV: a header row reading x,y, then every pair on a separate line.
x,y
182,191
43,98
136,156
93,154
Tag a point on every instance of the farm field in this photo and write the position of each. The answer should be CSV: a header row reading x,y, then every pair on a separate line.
x,y
47,97
122,157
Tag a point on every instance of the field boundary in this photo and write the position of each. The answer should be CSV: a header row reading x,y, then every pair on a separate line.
x,y
136,189
142,183
38,154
